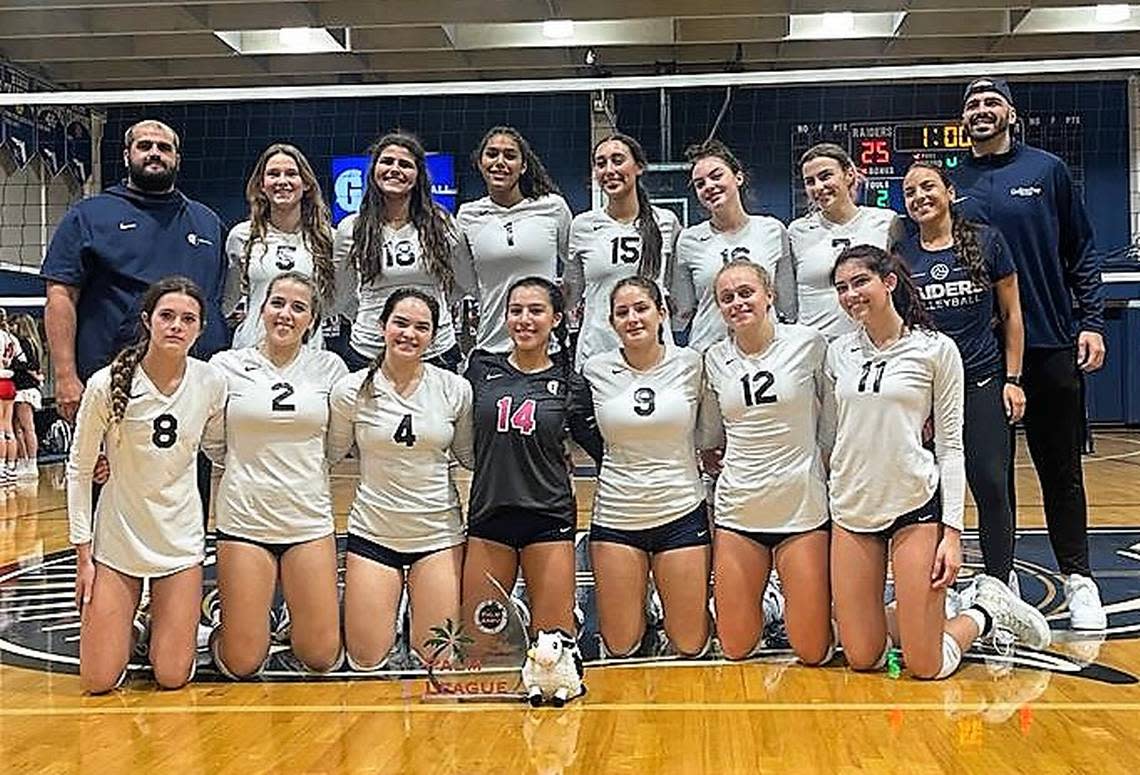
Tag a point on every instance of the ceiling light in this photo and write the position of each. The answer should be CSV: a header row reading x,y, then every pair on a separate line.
x,y
558,29
839,24
294,36
1112,13
287,40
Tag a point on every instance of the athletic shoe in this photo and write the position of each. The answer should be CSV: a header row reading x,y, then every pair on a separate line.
x,y
775,633
141,625
280,625
654,609
1009,612
211,609
1086,612
1014,584
954,602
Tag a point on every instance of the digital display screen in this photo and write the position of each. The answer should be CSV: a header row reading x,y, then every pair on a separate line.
x,y
350,179
931,137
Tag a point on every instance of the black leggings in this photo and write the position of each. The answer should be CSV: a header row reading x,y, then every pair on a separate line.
x,y
988,438
1055,434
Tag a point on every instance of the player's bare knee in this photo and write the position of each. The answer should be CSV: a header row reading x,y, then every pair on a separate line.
x,y
173,673
99,680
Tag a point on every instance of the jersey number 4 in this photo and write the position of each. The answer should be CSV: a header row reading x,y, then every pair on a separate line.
x,y
404,433
522,419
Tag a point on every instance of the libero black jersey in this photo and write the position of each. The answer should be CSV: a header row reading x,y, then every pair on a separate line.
x,y
521,425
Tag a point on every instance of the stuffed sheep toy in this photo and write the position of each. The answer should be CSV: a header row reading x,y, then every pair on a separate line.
x,y
553,669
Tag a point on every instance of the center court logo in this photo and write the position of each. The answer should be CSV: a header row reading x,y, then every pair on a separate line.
x,y
39,625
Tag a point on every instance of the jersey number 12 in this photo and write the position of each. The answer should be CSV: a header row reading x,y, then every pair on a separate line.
x,y
758,394
522,419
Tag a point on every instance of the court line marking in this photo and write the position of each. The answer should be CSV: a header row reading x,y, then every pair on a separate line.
x,y
505,707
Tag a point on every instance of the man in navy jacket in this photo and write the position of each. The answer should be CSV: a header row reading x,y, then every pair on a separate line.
x,y
109,248
1028,195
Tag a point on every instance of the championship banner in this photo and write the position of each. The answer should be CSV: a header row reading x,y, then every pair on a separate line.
x,y
19,126
77,147
51,140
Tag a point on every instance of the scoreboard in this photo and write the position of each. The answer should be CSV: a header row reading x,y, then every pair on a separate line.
x,y
884,150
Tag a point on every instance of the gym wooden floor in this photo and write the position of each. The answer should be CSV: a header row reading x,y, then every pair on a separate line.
x,y
711,718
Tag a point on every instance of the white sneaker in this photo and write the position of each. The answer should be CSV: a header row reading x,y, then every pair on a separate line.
x,y
1009,612
1014,585
1086,612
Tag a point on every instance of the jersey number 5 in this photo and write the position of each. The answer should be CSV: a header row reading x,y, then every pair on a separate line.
x,y
759,394
878,369
165,431
521,420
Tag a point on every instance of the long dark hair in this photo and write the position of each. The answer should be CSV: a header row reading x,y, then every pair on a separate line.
x,y
967,244
398,295
124,365
647,227
652,290
535,181
561,332
905,296
436,231
316,223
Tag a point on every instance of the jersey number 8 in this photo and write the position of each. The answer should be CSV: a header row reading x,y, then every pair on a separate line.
x,y
165,431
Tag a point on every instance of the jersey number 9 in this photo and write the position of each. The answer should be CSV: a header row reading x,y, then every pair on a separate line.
x,y
644,401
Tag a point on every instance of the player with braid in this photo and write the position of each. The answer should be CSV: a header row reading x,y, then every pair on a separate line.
x,y
288,230
966,277
628,237
149,410
405,525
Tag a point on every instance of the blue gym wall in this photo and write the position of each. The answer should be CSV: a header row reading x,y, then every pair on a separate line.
x,y
223,140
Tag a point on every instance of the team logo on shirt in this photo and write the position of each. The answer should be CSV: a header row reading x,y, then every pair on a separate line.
x,y
286,257
1025,191
940,272
552,387
195,240
841,242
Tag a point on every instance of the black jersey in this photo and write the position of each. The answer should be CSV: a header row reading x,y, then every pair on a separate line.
x,y
521,423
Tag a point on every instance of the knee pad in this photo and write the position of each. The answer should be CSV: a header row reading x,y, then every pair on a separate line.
x,y
605,652
122,679
359,668
704,650
951,657
881,662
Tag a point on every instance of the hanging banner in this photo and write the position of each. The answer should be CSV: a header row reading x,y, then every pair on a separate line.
x,y
51,140
19,126
78,144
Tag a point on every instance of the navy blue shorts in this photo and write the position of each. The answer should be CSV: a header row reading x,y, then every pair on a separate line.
x,y
689,530
370,550
519,528
277,550
930,513
772,540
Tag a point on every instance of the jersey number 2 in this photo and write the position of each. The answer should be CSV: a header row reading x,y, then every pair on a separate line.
x,y
521,420
404,434
279,404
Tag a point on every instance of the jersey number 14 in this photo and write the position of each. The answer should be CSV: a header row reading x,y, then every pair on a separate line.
x,y
522,419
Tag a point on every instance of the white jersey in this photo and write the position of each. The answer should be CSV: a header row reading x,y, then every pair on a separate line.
x,y
772,478
403,266
816,242
648,475
275,487
604,251
882,398
702,251
280,251
406,500
148,520
506,244
11,353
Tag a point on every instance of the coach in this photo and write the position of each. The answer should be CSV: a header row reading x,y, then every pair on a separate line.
x,y
1028,195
